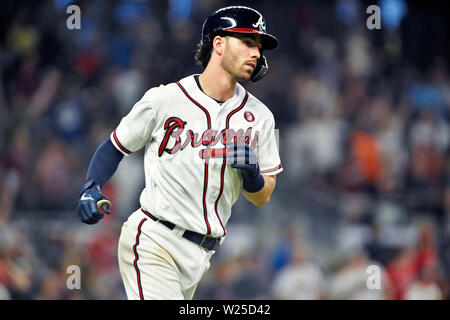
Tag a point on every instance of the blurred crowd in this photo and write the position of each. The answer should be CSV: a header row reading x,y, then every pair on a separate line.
x,y
364,123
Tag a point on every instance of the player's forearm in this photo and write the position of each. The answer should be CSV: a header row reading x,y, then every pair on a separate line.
x,y
261,197
104,163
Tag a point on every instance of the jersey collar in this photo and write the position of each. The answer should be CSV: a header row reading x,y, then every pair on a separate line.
x,y
196,93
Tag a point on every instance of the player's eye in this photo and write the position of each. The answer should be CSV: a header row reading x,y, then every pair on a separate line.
x,y
251,43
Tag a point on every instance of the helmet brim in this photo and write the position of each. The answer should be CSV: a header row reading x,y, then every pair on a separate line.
x,y
268,41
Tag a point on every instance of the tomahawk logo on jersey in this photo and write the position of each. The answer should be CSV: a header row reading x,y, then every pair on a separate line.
x,y
185,133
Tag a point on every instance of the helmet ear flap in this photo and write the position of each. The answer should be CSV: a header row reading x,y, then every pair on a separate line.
x,y
261,69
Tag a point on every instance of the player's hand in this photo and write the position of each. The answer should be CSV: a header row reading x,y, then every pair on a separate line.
x,y
90,202
242,156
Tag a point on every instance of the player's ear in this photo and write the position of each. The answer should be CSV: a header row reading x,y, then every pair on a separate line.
x,y
218,44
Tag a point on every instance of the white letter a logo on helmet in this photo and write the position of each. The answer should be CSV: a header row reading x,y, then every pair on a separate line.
x,y
260,24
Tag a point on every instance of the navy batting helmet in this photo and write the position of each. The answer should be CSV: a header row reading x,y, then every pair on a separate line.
x,y
240,19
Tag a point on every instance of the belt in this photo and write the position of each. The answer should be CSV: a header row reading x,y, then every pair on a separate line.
x,y
204,241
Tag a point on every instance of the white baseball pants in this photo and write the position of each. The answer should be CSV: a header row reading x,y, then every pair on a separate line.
x,y
157,263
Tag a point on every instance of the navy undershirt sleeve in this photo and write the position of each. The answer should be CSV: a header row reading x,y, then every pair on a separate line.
x,y
104,163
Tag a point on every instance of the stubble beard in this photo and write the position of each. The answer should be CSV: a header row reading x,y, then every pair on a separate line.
x,y
231,64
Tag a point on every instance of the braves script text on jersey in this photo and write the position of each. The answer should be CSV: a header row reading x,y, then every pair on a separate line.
x,y
181,128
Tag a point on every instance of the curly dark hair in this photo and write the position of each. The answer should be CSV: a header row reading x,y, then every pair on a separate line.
x,y
203,53
204,49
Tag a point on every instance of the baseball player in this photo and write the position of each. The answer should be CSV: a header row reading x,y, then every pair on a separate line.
x,y
206,138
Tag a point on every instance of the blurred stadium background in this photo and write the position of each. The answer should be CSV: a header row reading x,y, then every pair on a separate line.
x,y
363,117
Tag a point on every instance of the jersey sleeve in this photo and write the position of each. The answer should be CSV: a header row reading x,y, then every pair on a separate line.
x,y
135,130
268,155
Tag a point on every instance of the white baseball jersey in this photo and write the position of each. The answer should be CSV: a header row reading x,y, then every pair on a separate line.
x,y
183,130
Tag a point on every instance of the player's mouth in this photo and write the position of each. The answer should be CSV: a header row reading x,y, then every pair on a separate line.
x,y
251,65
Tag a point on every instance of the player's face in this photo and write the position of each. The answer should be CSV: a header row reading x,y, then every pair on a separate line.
x,y
241,55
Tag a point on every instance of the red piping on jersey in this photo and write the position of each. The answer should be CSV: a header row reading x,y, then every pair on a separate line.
x,y
222,171
136,258
271,170
149,215
205,178
208,118
119,144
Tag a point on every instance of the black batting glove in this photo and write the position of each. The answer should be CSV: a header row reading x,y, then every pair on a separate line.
x,y
87,208
242,156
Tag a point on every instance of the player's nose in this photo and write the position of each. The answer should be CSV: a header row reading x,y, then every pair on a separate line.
x,y
255,53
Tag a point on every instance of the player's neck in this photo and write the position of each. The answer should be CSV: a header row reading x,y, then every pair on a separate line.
x,y
217,84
